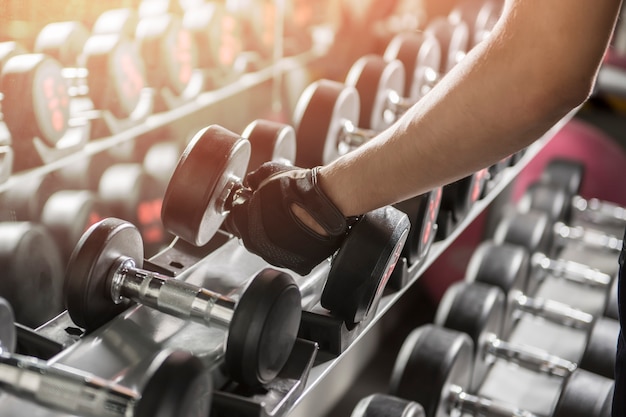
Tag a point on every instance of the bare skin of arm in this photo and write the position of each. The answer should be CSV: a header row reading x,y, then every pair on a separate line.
x,y
539,63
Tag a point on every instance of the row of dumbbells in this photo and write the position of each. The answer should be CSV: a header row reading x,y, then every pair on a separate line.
x,y
501,279
79,85
134,192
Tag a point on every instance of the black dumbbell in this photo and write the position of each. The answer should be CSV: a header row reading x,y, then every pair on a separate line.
x,y
270,141
194,209
383,405
32,276
506,267
478,310
434,369
176,383
104,275
36,111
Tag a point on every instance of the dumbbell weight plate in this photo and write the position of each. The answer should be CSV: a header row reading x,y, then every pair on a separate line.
x,y
193,201
374,78
10,49
68,214
116,21
453,39
25,201
362,266
36,103
116,74
611,309
85,289
177,385
585,395
64,41
8,337
270,141
553,201
32,272
504,266
599,354
532,230
477,310
565,173
421,55
432,360
382,405
263,328
319,117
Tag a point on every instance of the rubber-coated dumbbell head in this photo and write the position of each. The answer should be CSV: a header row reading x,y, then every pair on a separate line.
x,y
599,354
87,281
36,102
585,395
116,74
383,405
611,308
320,116
264,328
64,41
564,173
177,385
9,49
549,199
32,272
270,141
504,266
432,360
192,207
375,79
26,200
453,38
116,21
531,230
8,338
477,310
363,264
421,55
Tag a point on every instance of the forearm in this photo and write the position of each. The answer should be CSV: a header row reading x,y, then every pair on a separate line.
x,y
539,63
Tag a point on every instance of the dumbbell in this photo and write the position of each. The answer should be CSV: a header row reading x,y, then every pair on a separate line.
x,y
107,68
532,231
121,21
270,141
562,178
479,15
35,109
32,272
420,53
175,384
478,310
104,274
454,39
506,267
384,405
194,210
434,369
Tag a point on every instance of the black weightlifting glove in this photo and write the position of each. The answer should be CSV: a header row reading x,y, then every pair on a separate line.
x,y
269,228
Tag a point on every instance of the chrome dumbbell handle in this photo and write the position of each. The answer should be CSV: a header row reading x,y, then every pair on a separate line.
x,y
554,311
571,270
64,390
169,295
77,80
530,358
599,211
478,406
591,238
353,136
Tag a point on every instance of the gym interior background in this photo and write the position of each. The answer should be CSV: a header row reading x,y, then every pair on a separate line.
x,y
253,60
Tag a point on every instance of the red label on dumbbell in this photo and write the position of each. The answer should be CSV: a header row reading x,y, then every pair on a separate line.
x,y
132,76
477,186
93,218
431,214
149,217
53,110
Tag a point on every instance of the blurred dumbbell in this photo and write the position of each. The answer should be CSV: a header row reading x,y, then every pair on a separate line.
x,y
175,383
478,310
383,405
116,21
557,192
32,272
454,39
35,109
479,15
194,210
170,55
434,368
129,192
420,53
104,275
64,41
506,267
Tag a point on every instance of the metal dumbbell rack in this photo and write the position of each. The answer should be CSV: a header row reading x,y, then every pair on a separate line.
x,y
116,347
